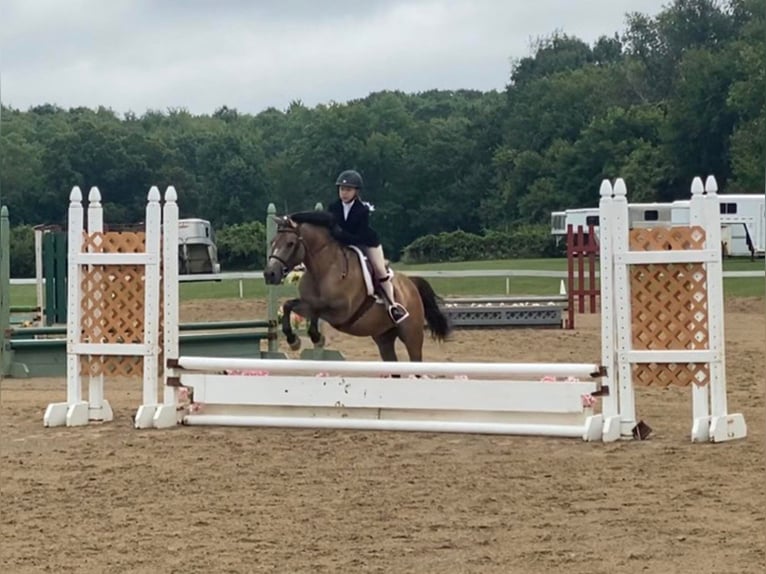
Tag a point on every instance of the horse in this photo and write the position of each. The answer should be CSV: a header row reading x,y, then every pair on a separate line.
x,y
336,288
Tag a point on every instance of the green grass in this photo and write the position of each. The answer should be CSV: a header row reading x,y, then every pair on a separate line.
x,y
445,286
534,264
744,287
23,295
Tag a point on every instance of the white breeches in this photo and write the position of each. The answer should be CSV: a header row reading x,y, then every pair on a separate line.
x,y
378,261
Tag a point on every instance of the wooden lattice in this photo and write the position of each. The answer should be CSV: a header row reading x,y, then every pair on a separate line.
x,y
667,238
669,306
112,303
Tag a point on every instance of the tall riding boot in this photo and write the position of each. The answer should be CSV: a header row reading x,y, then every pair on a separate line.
x,y
396,310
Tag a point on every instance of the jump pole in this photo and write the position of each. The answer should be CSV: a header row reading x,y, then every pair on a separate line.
x,y
279,366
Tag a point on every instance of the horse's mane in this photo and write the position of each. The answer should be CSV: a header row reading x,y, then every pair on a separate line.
x,y
320,218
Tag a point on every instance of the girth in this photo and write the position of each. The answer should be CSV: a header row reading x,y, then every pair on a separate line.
x,y
367,303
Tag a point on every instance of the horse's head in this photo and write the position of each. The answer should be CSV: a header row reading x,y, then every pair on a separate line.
x,y
286,251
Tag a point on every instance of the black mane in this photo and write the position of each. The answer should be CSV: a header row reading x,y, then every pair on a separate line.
x,y
321,218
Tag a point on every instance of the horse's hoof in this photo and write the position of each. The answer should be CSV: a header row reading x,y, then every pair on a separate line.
x,y
296,344
318,341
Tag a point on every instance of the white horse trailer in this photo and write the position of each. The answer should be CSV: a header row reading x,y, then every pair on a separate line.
x,y
584,217
639,215
197,251
743,223
743,220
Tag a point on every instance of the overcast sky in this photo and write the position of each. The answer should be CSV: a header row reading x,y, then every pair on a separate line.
x,y
134,55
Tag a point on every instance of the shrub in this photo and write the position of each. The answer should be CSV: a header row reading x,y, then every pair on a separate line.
x,y
242,246
528,241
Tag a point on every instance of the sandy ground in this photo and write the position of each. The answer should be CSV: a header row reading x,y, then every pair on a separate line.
x,y
108,498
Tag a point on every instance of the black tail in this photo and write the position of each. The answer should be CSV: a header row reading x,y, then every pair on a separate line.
x,y
437,321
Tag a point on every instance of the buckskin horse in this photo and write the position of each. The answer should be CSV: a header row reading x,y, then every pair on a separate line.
x,y
336,288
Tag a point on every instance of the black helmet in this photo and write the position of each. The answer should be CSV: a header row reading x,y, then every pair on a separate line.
x,y
350,178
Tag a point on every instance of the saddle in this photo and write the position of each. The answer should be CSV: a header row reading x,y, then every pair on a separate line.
x,y
368,273
371,286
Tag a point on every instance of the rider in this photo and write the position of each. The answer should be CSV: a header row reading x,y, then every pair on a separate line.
x,y
352,219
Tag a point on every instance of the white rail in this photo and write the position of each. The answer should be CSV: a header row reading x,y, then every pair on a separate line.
x,y
275,366
252,275
563,431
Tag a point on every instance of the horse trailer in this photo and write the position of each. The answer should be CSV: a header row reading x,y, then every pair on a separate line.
x,y
743,220
197,251
639,215
743,223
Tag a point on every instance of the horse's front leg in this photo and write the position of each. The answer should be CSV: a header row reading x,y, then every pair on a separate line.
x,y
287,328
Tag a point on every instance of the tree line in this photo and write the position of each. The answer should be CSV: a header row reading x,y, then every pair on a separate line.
x,y
673,95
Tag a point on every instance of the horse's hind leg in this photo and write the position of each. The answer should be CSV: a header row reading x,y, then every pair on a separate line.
x,y
411,334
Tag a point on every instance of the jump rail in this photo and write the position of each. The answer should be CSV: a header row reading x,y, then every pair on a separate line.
x,y
507,405
538,370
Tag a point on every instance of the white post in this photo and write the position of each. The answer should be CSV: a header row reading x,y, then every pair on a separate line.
x,y
39,284
75,229
152,295
74,412
723,426
99,409
701,394
610,403
147,411
620,228
165,415
712,222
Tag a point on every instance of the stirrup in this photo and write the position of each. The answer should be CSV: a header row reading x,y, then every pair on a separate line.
x,y
402,312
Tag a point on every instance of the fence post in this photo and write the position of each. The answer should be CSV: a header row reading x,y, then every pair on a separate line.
x,y
271,292
581,246
5,290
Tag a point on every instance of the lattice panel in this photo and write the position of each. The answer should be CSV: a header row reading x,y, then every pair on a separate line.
x,y
667,238
112,303
112,365
667,374
669,306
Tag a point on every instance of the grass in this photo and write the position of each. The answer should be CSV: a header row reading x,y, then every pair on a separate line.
x,y
533,264
445,286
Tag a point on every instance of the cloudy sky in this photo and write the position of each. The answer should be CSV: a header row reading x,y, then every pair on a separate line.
x,y
134,55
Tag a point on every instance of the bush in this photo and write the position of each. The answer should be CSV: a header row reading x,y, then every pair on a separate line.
x,y
528,241
242,246
22,246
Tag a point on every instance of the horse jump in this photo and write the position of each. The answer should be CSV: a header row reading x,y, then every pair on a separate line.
x,y
643,271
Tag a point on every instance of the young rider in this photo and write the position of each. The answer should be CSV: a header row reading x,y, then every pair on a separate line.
x,y
352,218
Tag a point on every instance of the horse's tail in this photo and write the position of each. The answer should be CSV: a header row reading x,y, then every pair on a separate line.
x,y
437,321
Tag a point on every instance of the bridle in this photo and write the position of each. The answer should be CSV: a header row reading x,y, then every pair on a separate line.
x,y
298,244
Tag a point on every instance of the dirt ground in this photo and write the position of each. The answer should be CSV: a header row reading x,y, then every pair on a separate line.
x,y
108,498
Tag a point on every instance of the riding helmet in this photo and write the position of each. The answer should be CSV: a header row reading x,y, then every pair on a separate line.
x,y
350,178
